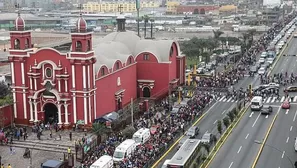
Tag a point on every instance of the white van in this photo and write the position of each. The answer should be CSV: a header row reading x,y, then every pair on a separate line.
x,y
165,163
104,161
125,149
257,103
141,136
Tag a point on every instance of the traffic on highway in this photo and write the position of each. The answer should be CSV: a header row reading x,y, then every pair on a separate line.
x,y
262,85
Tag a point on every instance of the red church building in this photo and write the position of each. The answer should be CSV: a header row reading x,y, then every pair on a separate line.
x,y
92,78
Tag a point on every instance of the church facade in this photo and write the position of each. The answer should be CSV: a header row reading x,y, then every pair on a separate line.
x,y
92,78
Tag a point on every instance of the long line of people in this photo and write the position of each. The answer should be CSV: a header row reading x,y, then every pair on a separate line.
x,y
167,129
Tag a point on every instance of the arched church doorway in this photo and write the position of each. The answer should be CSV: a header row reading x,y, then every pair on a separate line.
x,y
50,113
146,92
202,11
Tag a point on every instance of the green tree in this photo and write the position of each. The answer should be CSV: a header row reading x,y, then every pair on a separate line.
x,y
145,18
206,146
99,128
216,35
231,115
219,126
226,121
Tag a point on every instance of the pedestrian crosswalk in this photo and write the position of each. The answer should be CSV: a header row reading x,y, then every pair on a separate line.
x,y
271,99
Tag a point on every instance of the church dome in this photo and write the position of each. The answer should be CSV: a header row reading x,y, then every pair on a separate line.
x,y
81,24
19,23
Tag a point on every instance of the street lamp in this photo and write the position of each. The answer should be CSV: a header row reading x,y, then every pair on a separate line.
x,y
259,142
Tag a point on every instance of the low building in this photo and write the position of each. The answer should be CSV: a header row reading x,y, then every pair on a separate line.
x,y
106,6
92,77
171,7
196,9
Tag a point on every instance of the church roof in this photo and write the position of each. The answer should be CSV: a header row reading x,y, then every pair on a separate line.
x,y
120,45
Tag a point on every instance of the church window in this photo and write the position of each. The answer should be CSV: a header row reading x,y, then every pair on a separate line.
x,y
117,65
27,43
89,45
130,60
102,71
48,72
78,46
16,44
146,57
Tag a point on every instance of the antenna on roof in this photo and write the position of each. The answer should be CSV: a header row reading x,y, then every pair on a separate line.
x,y
80,7
17,6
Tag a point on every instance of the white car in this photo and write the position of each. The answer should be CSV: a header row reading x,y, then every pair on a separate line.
x,y
270,60
206,138
273,85
261,60
261,71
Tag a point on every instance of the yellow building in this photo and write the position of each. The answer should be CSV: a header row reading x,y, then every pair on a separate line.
x,y
172,7
115,6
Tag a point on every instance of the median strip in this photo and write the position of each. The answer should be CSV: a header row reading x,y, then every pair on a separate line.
x,y
222,139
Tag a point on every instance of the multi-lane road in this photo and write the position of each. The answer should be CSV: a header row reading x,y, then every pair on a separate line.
x,y
242,146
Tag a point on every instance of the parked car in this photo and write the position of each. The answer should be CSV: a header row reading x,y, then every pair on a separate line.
x,y
291,89
206,138
261,71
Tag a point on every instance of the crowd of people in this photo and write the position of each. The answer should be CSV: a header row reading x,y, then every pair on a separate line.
x,y
167,129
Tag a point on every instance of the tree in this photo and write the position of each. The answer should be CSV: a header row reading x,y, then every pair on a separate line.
x,y
217,34
226,121
231,115
99,128
146,18
3,89
206,147
219,126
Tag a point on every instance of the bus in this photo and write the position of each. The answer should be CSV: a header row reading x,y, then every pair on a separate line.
x,y
186,154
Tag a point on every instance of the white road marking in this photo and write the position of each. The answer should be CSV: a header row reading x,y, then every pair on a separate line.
x,y
268,100
266,116
295,99
264,100
287,111
251,114
222,98
223,111
283,98
229,99
239,149
295,116
256,120
211,107
215,122
283,154
287,139
273,99
291,128
247,136
231,165
232,100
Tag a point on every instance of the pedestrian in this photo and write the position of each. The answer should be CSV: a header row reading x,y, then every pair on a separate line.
x,y
69,150
70,136
0,160
60,137
8,166
2,165
10,150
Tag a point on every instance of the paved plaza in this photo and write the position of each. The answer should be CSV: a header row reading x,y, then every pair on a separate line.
x,y
44,149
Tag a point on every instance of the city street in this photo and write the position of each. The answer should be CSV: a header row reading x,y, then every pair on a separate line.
x,y
240,148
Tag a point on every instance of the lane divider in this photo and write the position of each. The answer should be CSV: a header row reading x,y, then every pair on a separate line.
x,y
177,141
264,141
223,139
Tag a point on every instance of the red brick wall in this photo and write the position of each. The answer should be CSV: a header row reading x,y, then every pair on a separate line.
x,y
7,114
